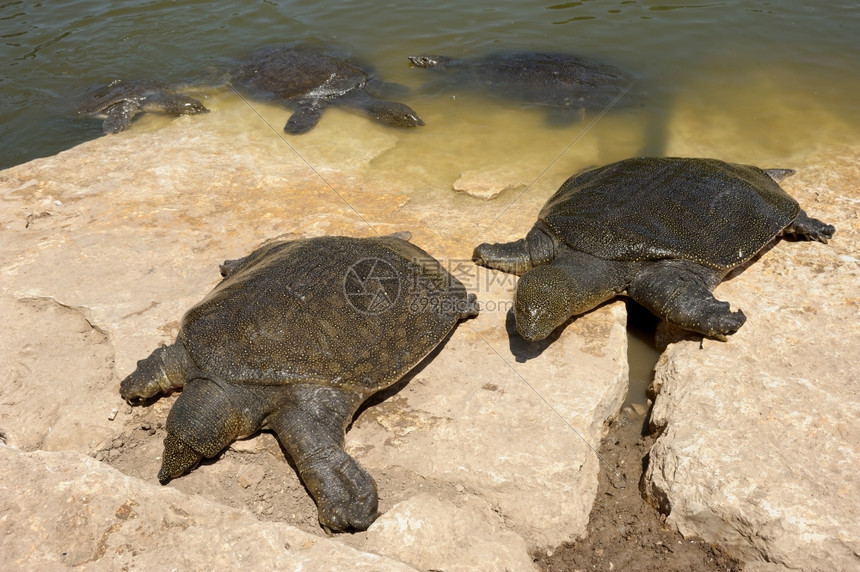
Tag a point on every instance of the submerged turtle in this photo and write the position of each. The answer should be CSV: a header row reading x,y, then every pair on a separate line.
x,y
295,337
536,78
307,79
119,101
663,231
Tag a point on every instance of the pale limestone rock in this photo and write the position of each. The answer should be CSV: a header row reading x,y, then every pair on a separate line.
x,y
66,510
761,446
522,434
431,534
489,183
116,238
58,391
765,567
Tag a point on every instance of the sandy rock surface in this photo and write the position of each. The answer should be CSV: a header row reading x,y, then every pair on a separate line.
x,y
419,531
67,510
102,249
760,450
489,183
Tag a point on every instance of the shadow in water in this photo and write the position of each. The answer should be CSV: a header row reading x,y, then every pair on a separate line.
x,y
642,353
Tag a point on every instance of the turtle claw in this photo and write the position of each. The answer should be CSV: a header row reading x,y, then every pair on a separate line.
x,y
346,495
724,324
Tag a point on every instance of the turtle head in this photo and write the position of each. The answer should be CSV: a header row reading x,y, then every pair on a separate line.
x,y
543,302
439,62
171,103
547,296
177,459
184,105
206,417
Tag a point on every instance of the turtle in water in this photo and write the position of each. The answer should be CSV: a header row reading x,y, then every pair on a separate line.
x,y
294,338
119,101
536,78
308,79
662,231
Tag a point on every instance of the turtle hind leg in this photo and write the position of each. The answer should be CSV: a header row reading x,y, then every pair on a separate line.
x,y
679,292
119,116
779,175
311,427
804,227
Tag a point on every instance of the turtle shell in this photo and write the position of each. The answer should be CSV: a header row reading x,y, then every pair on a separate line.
x,y
345,312
537,78
104,97
715,213
296,72
552,79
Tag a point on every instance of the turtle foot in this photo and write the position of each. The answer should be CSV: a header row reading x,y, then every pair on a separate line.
x,y
724,324
346,495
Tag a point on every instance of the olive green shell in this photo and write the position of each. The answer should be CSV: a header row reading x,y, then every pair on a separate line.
x,y
296,72
346,312
539,78
714,213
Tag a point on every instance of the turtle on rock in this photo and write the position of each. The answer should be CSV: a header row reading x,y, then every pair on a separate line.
x,y
307,79
294,339
548,79
663,231
118,102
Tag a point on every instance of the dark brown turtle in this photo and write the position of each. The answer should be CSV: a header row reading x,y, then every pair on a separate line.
x,y
308,79
294,338
663,231
119,101
548,79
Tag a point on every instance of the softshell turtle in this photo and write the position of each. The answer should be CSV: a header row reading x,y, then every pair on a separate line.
x,y
119,101
663,231
307,79
536,78
294,338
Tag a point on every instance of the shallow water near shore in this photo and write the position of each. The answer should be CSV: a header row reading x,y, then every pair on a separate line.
x,y
750,82
784,71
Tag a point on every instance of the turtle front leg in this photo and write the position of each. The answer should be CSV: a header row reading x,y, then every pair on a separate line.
x,y
311,428
305,117
119,116
163,371
804,227
518,257
679,292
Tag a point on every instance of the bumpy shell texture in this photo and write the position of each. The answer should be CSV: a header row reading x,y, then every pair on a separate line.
x,y
350,313
297,72
552,79
714,213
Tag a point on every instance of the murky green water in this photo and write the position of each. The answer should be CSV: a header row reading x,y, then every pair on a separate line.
x,y
785,74
744,80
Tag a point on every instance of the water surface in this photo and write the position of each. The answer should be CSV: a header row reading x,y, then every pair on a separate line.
x,y
784,73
